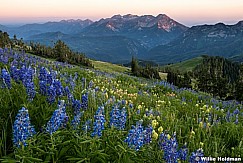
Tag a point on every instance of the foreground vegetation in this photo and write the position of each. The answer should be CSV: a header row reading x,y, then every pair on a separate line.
x,y
56,112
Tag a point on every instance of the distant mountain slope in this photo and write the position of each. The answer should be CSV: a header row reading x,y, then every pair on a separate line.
x,y
116,49
3,28
220,39
64,26
149,30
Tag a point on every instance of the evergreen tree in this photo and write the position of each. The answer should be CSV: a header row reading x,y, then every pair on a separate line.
x,y
134,66
61,51
4,39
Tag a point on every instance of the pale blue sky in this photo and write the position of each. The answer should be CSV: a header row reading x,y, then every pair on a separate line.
x,y
188,12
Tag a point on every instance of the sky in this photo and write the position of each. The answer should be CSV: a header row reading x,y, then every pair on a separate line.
x,y
188,12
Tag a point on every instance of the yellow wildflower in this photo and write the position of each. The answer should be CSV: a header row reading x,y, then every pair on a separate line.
x,y
154,123
155,135
201,144
201,124
193,133
160,129
168,136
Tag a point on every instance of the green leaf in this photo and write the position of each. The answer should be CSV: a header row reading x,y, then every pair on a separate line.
x,y
82,160
122,147
40,150
63,151
66,142
86,141
33,159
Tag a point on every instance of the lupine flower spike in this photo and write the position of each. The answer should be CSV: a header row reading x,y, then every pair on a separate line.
x,y
58,120
22,129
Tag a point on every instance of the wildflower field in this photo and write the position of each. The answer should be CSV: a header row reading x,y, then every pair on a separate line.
x,y
55,112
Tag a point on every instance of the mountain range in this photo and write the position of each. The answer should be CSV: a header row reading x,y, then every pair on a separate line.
x,y
156,38
219,39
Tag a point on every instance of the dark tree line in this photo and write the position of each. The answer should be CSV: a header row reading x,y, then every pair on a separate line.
x,y
60,52
146,72
178,79
4,40
215,75
218,76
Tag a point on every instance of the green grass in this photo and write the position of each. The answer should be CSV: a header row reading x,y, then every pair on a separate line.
x,y
109,67
187,65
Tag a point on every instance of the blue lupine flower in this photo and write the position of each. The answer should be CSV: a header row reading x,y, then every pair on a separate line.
x,y
114,117
123,118
169,146
30,89
228,116
27,76
135,138
97,89
22,129
43,87
236,111
66,91
237,119
75,76
6,79
76,106
123,102
43,74
22,72
72,82
58,120
76,120
49,78
51,93
183,153
70,98
131,105
91,84
118,118
86,127
14,73
196,157
4,59
58,87
99,123
148,135
84,104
